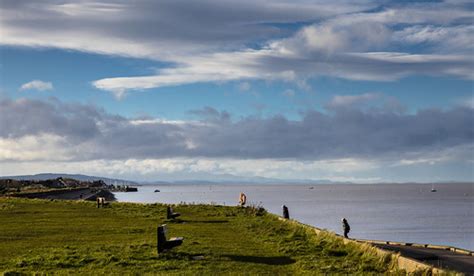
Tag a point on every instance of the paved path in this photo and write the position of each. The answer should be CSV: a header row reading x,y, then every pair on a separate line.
x,y
437,257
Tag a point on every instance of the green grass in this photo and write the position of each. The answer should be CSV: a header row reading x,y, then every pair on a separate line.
x,y
76,237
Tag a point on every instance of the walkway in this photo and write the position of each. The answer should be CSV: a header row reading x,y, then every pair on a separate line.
x,y
441,258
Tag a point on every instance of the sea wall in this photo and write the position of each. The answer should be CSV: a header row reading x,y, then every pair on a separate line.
x,y
45,194
422,245
403,263
109,196
70,194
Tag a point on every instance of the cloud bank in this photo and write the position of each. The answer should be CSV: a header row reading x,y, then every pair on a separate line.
x,y
343,143
81,132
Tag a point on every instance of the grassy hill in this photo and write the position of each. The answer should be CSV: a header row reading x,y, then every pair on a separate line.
x,y
77,237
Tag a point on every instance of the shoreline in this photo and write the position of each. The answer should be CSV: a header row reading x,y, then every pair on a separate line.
x,y
386,212
411,256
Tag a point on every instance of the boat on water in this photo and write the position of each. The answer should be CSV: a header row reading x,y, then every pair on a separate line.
x,y
433,190
157,191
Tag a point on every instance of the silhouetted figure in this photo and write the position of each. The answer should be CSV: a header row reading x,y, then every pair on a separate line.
x,y
170,214
242,199
345,227
101,202
162,243
286,213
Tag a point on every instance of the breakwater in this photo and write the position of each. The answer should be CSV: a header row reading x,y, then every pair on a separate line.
x,y
57,193
70,194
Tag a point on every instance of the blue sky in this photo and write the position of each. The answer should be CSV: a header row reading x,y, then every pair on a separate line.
x,y
362,92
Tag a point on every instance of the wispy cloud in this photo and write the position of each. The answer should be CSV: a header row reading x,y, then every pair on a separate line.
x,y
124,28
363,41
244,86
37,85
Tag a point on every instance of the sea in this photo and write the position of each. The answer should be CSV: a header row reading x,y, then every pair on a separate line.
x,y
389,212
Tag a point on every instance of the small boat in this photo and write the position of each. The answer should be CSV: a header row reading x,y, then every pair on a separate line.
x,y
311,188
433,190
157,191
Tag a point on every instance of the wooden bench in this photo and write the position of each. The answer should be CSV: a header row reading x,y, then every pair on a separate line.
x,y
170,214
163,244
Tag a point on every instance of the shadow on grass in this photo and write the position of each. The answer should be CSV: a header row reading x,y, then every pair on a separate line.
x,y
194,221
170,255
207,221
175,221
277,260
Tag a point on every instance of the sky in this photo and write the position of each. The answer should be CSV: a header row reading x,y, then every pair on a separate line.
x,y
360,91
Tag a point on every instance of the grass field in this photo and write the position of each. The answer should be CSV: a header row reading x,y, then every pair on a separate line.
x,y
76,237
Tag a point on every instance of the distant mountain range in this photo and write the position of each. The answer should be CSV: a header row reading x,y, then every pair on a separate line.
x,y
215,179
234,179
81,177
202,179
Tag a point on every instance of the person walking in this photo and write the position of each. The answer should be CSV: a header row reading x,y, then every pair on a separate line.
x,y
345,227
286,213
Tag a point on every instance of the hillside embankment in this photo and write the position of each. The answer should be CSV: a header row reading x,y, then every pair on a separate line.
x,y
49,236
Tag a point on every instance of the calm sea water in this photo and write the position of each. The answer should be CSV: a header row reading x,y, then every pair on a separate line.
x,y
396,212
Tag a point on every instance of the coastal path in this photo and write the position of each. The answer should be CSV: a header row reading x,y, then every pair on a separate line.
x,y
438,256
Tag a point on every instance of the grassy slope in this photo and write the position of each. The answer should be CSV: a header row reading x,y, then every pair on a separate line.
x,y
73,236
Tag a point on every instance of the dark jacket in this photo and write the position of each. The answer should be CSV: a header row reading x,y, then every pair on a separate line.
x,y
345,226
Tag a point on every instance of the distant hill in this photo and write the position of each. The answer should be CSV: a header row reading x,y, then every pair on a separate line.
x,y
81,177
234,179
202,179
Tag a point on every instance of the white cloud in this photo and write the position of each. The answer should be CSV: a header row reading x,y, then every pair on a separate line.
x,y
350,100
244,86
271,64
333,36
37,85
35,147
